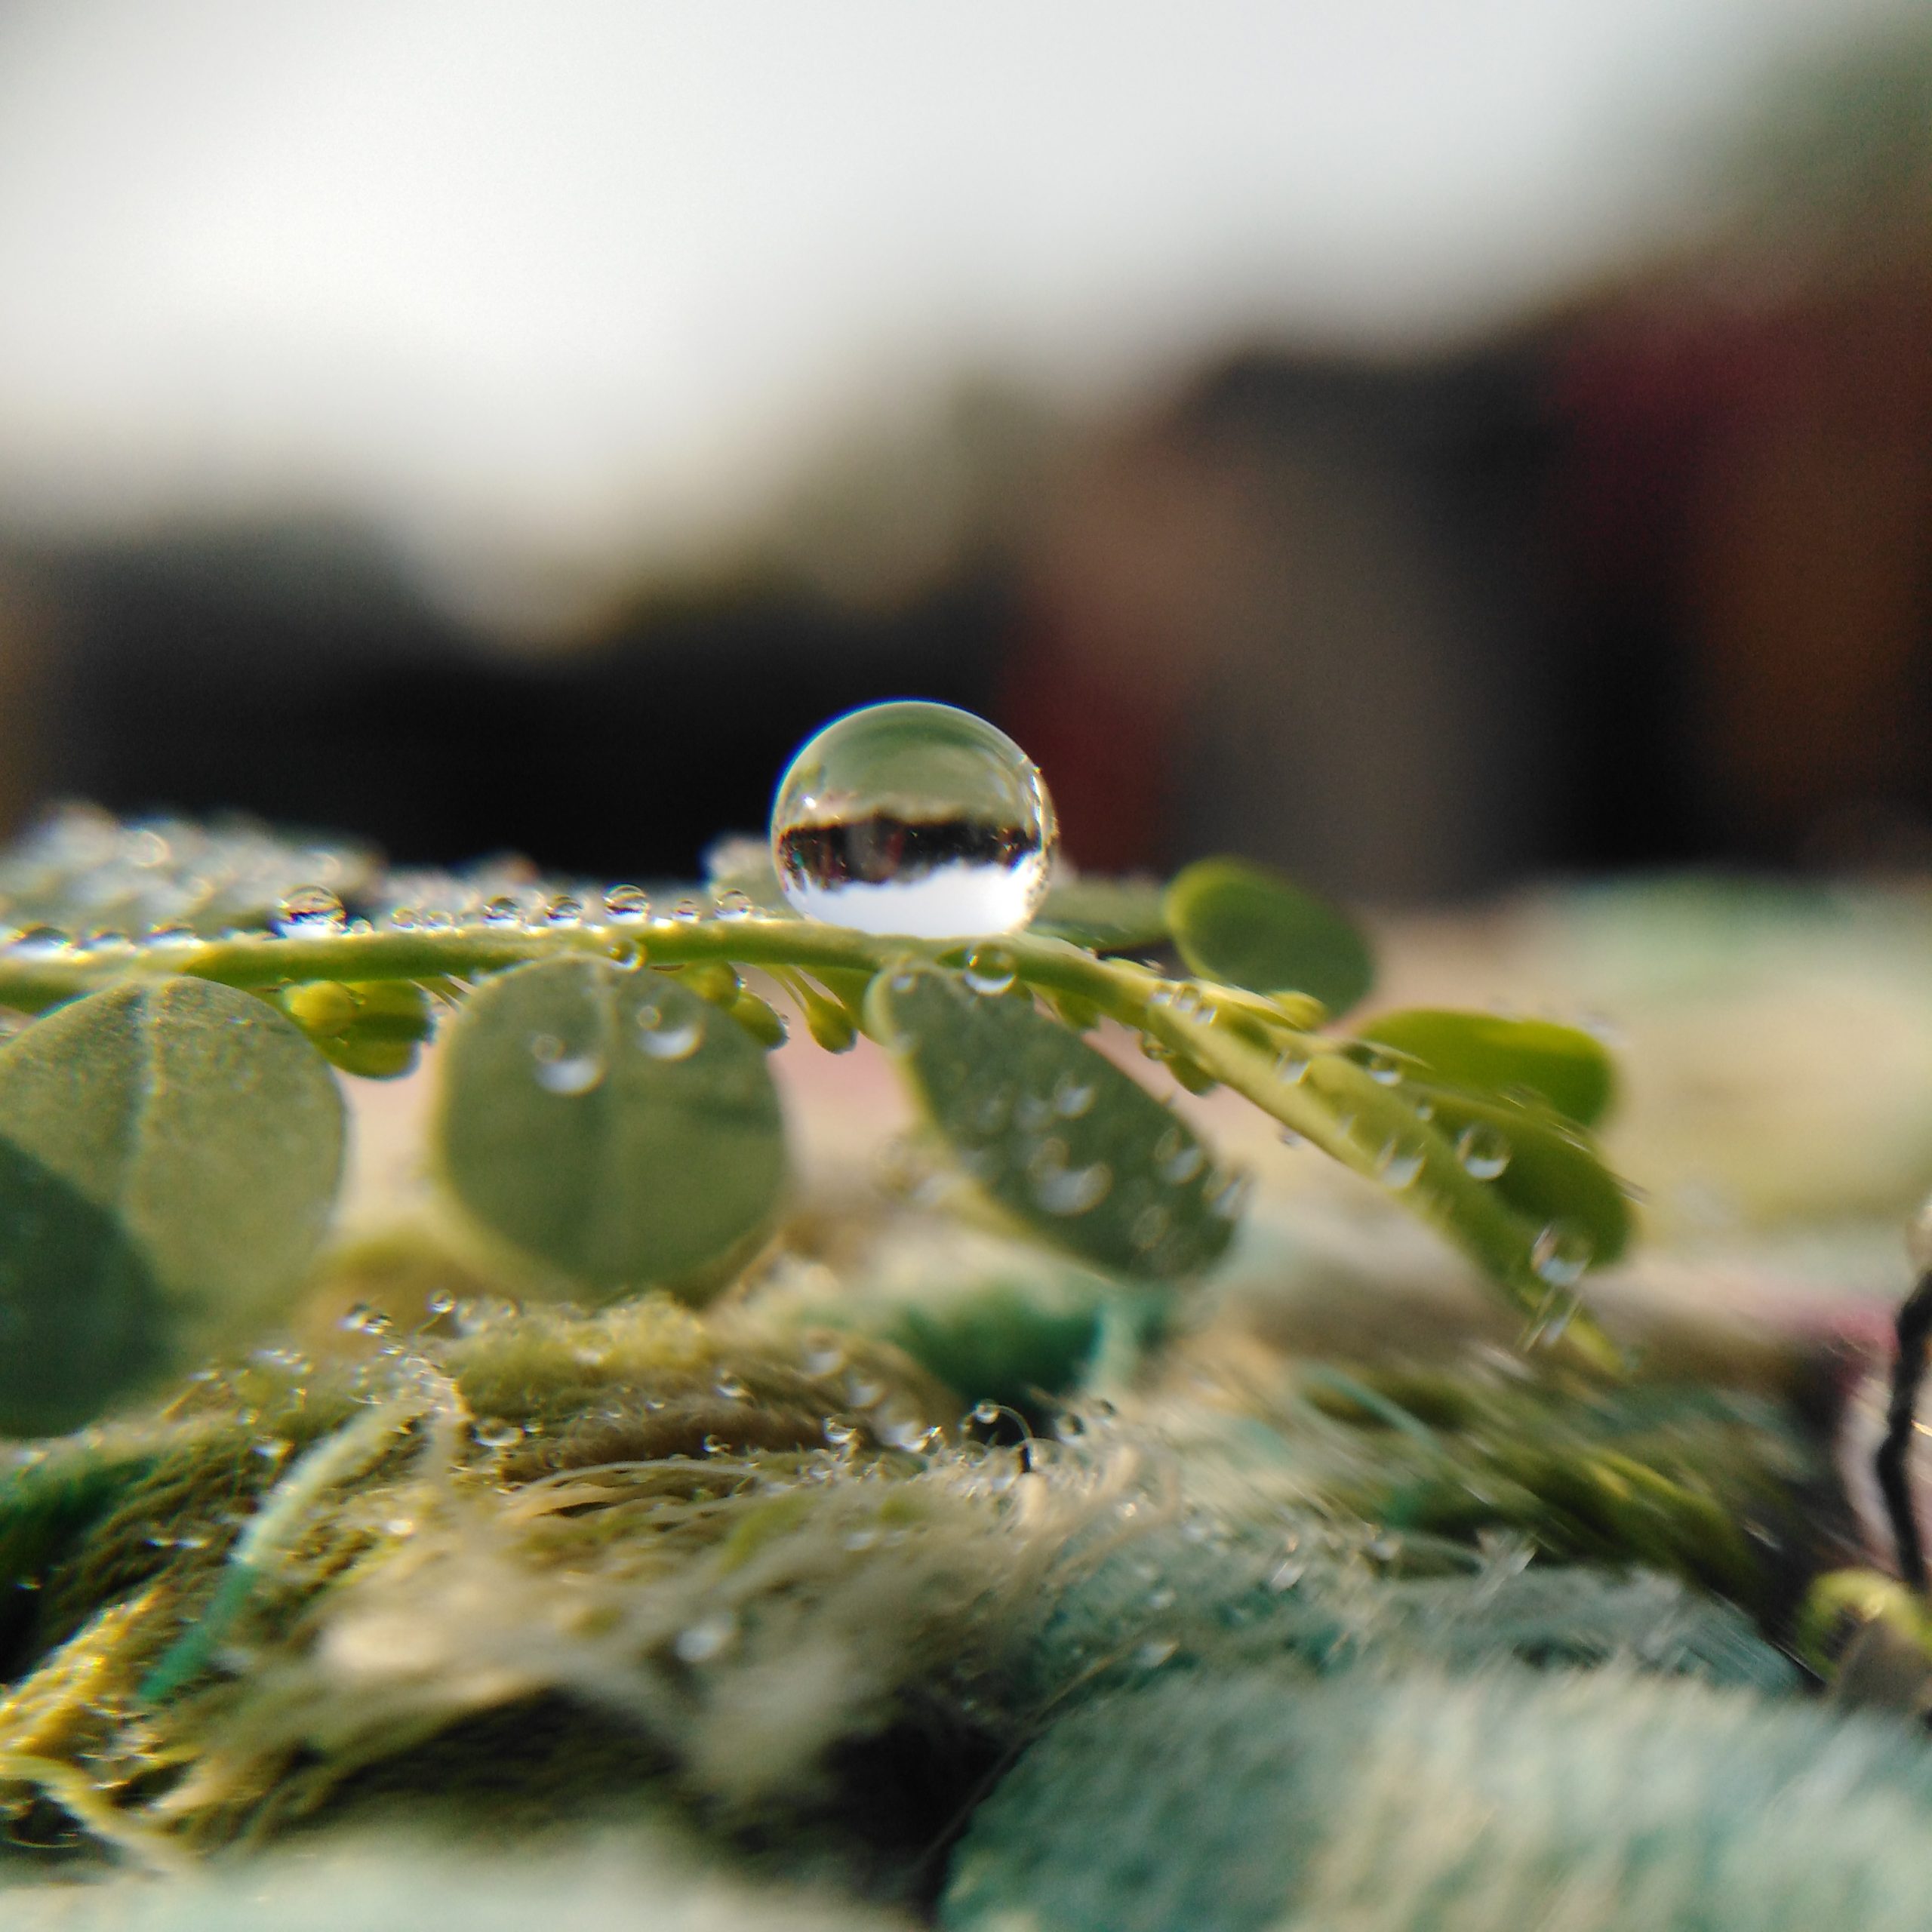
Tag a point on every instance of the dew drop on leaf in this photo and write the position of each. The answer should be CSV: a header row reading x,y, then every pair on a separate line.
x,y
1072,1097
1182,1161
677,1040
503,912
628,905
991,969
569,1074
1560,1254
734,903
913,818
1398,1163
1483,1150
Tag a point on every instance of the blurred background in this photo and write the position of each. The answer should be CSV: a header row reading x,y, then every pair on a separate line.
x,y
1420,446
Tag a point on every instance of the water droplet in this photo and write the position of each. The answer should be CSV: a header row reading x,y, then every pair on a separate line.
x,y
1070,1191
1179,1163
310,911
991,969
366,1319
503,912
496,1432
1483,1150
663,1038
715,1445
841,1435
39,943
566,910
1155,1653
729,1388
1229,1195
687,911
175,935
1560,1254
1383,1070
1072,1098
913,818
1150,1227
1398,1163
735,904
1291,1067
699,1642
986,1413
560,1071
573,1073
628,905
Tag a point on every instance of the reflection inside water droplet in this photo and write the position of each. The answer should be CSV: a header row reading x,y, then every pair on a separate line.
x,y
913,818
310,911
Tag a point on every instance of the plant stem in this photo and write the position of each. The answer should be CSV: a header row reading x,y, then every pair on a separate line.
x,y
1893,1460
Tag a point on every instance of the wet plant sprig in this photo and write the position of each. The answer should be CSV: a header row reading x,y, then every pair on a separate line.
x,y
606,1120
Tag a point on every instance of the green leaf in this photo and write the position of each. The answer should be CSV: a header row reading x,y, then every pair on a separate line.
x,y
610,1124
1105,915
170,1156
1485,1053
1525,1195
1553,1178
1053,1132
1240,923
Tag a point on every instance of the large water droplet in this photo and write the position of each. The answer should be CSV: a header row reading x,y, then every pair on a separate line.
x,y
561,1072
310,911
913,818
1483,1150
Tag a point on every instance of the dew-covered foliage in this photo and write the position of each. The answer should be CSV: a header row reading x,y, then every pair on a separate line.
x,y
605,1117
616,1499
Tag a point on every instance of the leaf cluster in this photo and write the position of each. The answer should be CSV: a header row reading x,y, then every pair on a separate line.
x,y
172,1132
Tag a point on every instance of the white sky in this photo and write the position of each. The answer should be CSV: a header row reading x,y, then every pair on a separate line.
x,y
566,278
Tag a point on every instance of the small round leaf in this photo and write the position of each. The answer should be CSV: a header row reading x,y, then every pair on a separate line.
x,y
170,1151
1053,1132
611,1125
1252,928
1485,1053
